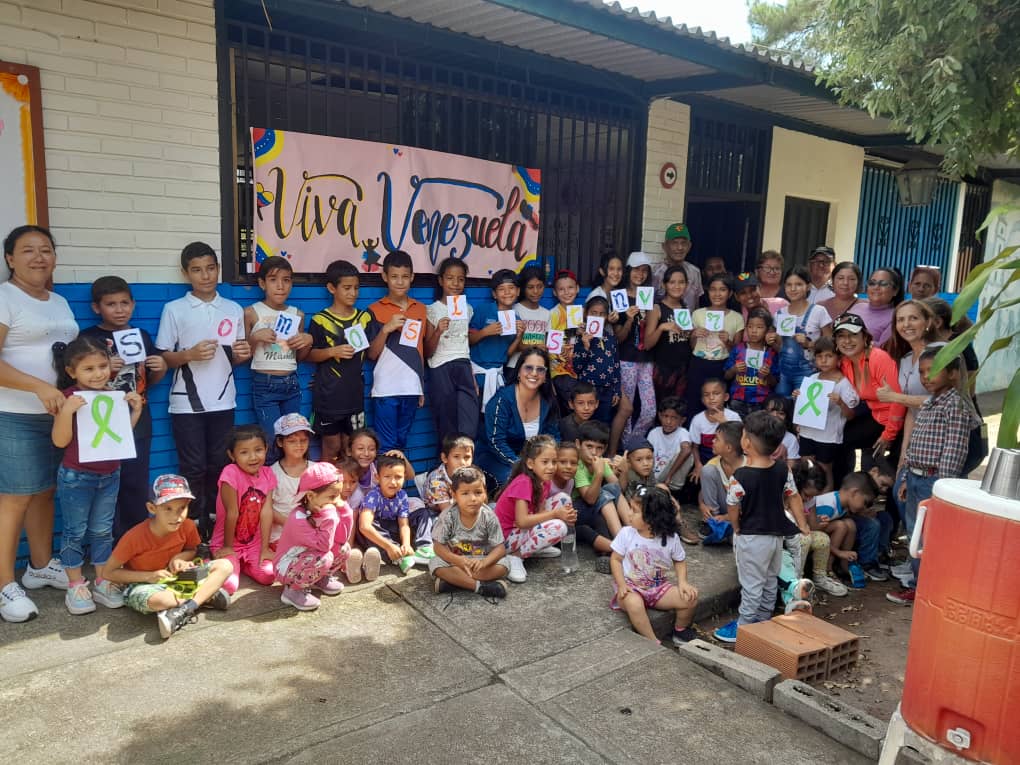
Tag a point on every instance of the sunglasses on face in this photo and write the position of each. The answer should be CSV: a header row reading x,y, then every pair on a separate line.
x,y
883,283
532,369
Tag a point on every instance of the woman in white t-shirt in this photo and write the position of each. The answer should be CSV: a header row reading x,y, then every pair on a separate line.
x,y
798,325
33,320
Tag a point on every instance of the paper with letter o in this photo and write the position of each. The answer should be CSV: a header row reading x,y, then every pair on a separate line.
x,y
554,341
456,307
811,407
287,325
226,331
356,338
714,320
595,326
507,322
754,359
129,345
682,317
786,324
104,427
644,298
410,333
619,301
575,316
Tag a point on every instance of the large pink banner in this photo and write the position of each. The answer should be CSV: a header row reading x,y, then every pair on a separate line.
x,y
319,199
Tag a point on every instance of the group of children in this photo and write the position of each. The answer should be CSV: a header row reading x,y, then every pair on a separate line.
x,y
281,517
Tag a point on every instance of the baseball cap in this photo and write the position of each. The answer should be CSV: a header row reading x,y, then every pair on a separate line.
x,y
503,276
677,231
317,475
169,487
291,423
636,443
851,322
823,249
745,280
637,259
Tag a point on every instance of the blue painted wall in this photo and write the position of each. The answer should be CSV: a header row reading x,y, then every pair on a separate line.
x,y
149,301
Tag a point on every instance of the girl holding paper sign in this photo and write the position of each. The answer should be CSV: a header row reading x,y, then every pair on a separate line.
x,y
636,368
715,331
452,387
669,336
799,325
87,490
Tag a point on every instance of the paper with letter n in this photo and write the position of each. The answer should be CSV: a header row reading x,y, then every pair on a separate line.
x,y
811,407
104,427
619,300
129,345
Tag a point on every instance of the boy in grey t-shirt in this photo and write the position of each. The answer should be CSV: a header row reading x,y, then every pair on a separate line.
x,y
468,541
715,476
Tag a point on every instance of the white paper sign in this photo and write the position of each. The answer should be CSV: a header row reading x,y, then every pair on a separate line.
x,y
682,317
595,325
554,341
356,338
786,324
714,320
104,427
129,345
287,325
410,333
575,316
811,407
226,332
456,307
754,359
618,299
508,322
645,298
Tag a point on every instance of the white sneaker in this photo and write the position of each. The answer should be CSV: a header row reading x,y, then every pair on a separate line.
x,y
901,569
831,586
79,600
15,605
547,552
108,594
517,573
50,575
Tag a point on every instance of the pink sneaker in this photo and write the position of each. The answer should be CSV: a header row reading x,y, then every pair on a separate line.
x,y
329,585
302,600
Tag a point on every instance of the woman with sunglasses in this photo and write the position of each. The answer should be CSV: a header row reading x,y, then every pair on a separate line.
x,y
516,413
885,292
32,320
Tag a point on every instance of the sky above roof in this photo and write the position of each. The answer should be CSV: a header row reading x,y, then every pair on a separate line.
x,y
727,18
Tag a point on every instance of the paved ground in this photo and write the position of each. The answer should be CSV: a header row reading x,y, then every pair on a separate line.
x,y
390,672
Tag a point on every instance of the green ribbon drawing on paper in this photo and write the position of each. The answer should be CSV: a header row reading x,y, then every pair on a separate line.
x,y
814,390
102,410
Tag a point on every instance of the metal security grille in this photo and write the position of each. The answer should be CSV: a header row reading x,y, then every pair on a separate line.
x,y
727,158
584,145
970,253
891,235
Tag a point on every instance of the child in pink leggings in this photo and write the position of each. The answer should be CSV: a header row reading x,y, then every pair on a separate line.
x,y
313,548
244,508
529,530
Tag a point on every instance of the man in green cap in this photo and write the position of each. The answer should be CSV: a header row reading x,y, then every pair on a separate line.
x,y
676,244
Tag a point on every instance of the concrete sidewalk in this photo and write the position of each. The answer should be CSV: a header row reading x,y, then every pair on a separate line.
x,y
387,671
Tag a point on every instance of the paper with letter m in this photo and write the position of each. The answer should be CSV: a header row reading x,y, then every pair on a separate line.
x,y
104,427
319,198
811,407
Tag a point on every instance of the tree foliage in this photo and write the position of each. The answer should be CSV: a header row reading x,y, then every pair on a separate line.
x,y
946,71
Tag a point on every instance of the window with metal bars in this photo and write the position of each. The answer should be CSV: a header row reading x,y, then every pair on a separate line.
x,y
585,144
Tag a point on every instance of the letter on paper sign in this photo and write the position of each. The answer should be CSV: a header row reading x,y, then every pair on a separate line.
x,y
456,307
754,359
410,333
226,332
104,427
682,317
129,345
645,298
508,323
619,300
554,341
575,316
356,338
595,326
786,325
714,320
287,325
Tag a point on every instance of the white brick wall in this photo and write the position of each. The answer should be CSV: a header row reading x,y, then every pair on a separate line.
x,y
669,128
130,128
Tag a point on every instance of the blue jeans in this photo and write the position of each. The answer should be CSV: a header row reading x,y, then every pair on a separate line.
x,y
793,367
272,397
88,504
919,488
394,416
868,530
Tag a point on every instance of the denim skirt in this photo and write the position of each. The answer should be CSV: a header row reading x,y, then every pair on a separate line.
x,y
28,458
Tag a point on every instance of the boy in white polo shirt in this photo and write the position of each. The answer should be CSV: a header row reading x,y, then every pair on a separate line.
x,y
202,339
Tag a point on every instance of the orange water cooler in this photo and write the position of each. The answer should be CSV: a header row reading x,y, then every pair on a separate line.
x,y
961,691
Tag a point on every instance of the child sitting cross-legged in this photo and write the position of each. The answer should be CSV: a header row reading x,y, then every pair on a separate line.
x,y
458,451
755,499
715,477
468,540
643,554
386,519
672,445
313,547
151,556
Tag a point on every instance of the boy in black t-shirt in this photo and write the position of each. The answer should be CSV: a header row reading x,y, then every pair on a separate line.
x,y
756,498
338,388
